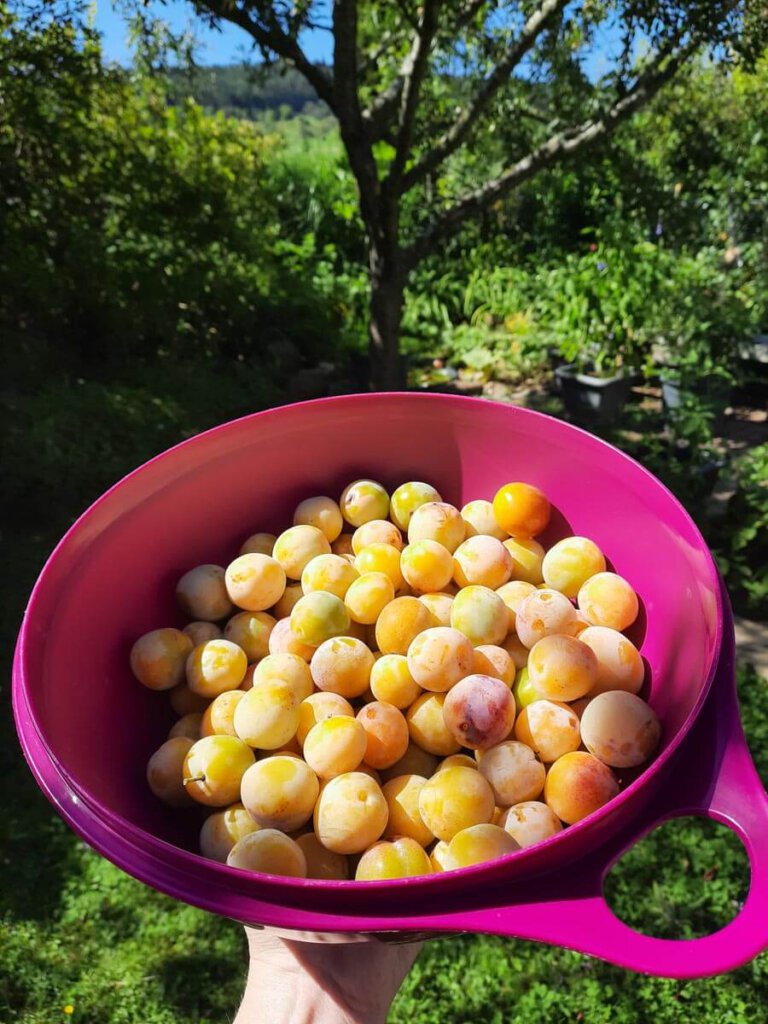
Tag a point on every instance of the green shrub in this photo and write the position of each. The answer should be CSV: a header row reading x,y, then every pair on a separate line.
x,y
742,541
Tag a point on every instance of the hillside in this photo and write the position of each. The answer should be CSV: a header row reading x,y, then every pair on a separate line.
x,y
249,91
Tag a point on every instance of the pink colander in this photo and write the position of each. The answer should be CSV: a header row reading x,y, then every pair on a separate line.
x,y
87,727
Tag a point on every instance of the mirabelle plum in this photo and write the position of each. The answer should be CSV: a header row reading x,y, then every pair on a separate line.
x,y
439,657
521,509
479,517
350,814
285,605
322,863
188,725
214,667
426,566
570,563
297,546
620,729
457,760
482,561
399,622
480,843
218,717
527,557
317,617
562,668
185,702
608,600
316,708
386,732
549,728
222,829
202,593
513,594
321,512
407,498
335,746
543,613
427,728
513,772
214,767
328,572
439,857
267,717
437,520
258,544
530,822
577,785
255,582
489,660
481,615
280,792
392,682
401,858
578,706
619,665
201,632
479,711
402,796
342,665
269,852
377,531
380,558
454,799
367,595
251,630
343,545
288,668
523,690
415,761
516,649
158,659
165,771
364,500
439,605
282,640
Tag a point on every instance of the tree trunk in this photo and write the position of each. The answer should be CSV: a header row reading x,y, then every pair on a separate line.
x,y
386,310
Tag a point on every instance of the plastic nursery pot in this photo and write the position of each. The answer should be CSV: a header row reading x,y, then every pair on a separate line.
x,y
601,399
87,728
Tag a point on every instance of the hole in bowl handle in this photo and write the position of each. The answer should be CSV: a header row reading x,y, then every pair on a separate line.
x,y
714,776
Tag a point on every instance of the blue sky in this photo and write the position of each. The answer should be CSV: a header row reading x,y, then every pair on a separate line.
x,y
231,44
225,47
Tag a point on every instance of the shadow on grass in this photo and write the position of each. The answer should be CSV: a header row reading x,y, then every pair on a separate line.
x,y
198,985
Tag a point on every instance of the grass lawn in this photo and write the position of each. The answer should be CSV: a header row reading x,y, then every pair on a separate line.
x,y
76,933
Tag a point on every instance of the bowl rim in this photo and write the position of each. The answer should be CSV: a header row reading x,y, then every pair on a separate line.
x,y
194,863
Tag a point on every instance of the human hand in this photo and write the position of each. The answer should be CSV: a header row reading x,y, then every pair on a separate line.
x,y
303,977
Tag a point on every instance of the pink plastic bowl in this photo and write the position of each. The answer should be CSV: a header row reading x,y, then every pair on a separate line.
x,y
88,728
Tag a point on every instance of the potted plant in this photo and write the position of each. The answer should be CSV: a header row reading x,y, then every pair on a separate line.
x,y
596,309
713,312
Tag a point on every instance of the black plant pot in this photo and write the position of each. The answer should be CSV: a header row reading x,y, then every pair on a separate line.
x,y
601,399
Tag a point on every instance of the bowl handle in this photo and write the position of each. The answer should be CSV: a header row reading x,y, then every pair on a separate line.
x,y
714,776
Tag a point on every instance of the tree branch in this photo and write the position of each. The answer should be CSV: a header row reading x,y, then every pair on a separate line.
x,y
272,37
413,75
453,138
347,108
383,108
387,40
556,148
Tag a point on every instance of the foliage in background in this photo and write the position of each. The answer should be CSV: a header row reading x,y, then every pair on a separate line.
x,y
145,249
742,542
